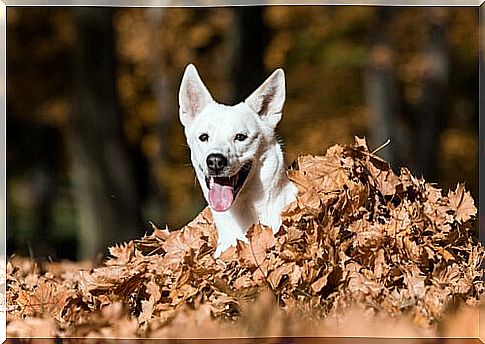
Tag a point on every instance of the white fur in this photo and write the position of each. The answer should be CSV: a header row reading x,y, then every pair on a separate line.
x,y
267,189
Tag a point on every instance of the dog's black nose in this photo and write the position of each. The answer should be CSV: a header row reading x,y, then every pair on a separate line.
x,y
216,162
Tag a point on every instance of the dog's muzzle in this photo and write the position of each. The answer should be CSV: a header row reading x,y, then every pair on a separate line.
x,y
224,189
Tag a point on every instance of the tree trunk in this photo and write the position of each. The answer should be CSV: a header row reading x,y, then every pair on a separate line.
x,y
162,87
246,58
430,113
380,88
102,171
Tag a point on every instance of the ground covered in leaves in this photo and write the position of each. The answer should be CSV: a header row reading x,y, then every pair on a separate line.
x,y
360,242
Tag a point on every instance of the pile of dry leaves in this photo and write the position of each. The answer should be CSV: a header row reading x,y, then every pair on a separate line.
x,y
358,237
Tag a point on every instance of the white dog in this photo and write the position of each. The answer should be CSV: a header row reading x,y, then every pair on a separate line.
x,y
236,156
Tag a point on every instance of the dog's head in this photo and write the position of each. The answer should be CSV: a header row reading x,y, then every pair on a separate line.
x,y
226,141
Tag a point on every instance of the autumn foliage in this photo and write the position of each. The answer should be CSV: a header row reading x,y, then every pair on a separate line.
x,y
359,240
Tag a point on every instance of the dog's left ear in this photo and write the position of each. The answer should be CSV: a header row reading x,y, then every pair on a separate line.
x,y
267,101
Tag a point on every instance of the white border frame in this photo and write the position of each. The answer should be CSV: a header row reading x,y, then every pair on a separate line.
x,y
3,170
220,3
175,3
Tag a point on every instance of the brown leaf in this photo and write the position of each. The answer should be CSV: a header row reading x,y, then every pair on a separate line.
x,y
318,285
180,243
309,199
122,254
103,278
46,299
462,203
387,182
361,142
277,275
243,281
153,290
325,172
261,239
146,310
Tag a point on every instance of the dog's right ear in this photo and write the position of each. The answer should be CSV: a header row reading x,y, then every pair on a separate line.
x,y
193,95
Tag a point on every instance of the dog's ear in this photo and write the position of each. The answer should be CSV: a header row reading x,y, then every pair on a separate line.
x,y
267,101
193,95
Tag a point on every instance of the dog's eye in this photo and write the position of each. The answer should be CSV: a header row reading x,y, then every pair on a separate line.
x,y
204,137
241,137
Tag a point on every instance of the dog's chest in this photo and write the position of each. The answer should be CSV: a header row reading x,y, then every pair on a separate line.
x,y
247,211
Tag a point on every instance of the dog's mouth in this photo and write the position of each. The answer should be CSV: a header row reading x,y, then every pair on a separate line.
x,y
223,190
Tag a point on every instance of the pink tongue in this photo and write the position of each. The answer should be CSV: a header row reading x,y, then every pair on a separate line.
x,y
220,197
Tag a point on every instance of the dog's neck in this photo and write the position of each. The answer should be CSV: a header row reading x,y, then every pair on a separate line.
x,y
258,201
270,168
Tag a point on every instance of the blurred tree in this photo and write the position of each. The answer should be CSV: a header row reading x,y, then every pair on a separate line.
x,y
44,182
37,186
247,42
156,137
102,169
380,87
430,111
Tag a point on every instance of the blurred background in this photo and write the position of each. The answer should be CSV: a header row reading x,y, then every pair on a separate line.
x,y
95,149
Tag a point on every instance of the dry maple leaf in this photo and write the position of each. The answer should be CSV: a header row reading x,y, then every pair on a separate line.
x,y
325,172
387,182
309,200
103,278
46,299
276,276
318,285
121,254
462,203
261,239
301,180
153,289
182,243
